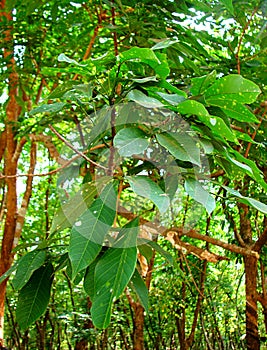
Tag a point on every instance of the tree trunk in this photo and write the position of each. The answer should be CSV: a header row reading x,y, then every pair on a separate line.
x,y
10,166
139,318
252,333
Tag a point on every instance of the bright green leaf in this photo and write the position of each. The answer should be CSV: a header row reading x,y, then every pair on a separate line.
x,y
192,107
233,87
201,84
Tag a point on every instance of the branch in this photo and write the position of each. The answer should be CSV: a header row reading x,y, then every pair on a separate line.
x,y
261,240
47,141
75,150
231,247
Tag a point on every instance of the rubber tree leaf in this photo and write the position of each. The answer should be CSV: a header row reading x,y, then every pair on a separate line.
x,y
131,141
112,274
48,108
192,107
181,146
34,296
68,213
8,272
89,279
247,200
29,263
199,194
201,84
91,228
233,87
138,285
172,99
144,100
234,110
149,57
145,187
163,44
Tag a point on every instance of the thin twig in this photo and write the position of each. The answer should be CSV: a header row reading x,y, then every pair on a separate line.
x,y
74,149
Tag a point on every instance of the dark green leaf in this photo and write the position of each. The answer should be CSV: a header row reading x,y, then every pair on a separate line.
x,y
34,296
131,141
140,289
143,100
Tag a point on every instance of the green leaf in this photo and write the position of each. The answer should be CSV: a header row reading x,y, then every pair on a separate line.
x,y
60,90
138,285
34,296
145,55
144,100
229,6
144,80
201,84
68,213
29,263
181,146
89,279
192,107
131,141
145,187
172,99
199,194
48,108
219,128
234,110
112,274
233,87
8,272
247,200
163,44
63,58
166,255
90,230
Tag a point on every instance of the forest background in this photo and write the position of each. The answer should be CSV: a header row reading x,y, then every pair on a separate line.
x,y
133,174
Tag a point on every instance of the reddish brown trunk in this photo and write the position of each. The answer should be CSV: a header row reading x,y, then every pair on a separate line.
x,y
138,341
252,333
10,167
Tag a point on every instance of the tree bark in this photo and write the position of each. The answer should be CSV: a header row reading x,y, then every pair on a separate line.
x,y
252,332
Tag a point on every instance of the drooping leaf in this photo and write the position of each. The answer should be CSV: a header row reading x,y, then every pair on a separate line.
x,y
112,274
143,100
29,263
247,200
48,108
68,213
131,141
233,87
91,228
199,194
138,285
89,279
181,146
34,296
145,187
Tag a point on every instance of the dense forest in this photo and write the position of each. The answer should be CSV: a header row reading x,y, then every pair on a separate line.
x,y
133,174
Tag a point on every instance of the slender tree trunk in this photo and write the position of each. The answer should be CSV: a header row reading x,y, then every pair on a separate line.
x,y
252,333
10,167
